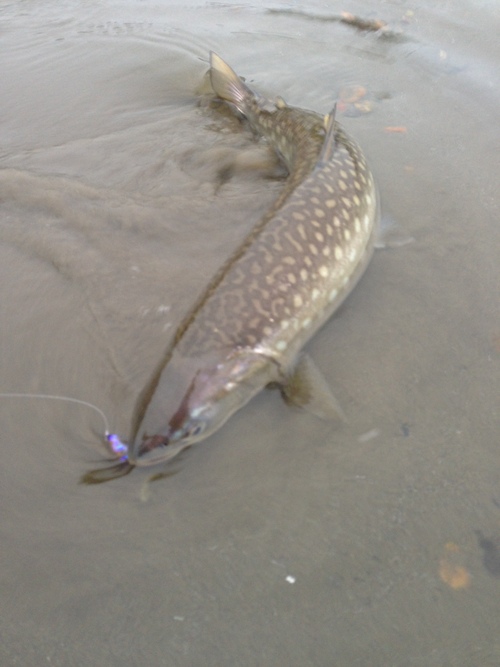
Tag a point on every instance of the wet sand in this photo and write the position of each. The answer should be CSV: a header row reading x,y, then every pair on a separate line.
x,y
278,541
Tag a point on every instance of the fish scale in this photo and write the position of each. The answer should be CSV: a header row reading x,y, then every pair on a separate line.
x,y
282,283
295,268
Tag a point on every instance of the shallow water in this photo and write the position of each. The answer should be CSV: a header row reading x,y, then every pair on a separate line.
x,y
278,541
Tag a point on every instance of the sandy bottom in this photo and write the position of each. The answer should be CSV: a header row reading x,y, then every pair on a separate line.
x,y
278,541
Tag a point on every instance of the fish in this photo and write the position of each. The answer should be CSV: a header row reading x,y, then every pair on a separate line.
x,y
287,277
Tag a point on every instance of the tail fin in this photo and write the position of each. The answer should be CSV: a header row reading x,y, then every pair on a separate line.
x,y
227,84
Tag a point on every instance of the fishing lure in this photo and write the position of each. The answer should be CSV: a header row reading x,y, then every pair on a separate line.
x,y
115,445
118,447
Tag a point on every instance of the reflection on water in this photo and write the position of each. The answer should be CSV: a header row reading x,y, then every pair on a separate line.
x,y
278,541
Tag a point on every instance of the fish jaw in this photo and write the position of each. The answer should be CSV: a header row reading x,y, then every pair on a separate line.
x,y
155,449
211,389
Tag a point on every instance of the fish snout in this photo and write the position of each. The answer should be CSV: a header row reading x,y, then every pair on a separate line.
x,y
149,450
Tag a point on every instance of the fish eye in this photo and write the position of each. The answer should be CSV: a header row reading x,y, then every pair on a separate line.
x,y
196,430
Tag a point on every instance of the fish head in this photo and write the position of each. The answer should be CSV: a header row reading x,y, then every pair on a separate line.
x,y
193,399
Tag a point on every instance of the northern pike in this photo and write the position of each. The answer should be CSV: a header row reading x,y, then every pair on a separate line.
x,y
282,283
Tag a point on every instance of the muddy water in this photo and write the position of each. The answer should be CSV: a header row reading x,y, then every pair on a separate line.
x,y
278,541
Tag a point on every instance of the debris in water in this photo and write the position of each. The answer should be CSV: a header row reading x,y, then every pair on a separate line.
x,y
453,574
369,435
351,94
353,101
362,24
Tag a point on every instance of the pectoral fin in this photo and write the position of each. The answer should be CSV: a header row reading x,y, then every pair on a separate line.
x,y
306,388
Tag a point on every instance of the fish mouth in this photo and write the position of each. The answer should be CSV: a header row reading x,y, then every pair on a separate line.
x,y
153,449
148,450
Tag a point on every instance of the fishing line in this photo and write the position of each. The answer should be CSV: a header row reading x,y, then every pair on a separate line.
x,y
116,445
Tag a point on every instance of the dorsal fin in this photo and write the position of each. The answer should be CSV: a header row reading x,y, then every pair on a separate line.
x,y
328,148
280,103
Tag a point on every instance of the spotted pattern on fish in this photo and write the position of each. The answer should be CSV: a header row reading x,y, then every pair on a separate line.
x,y
296,265
280,285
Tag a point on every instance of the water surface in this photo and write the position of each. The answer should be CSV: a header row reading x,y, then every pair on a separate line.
x,y
278,541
